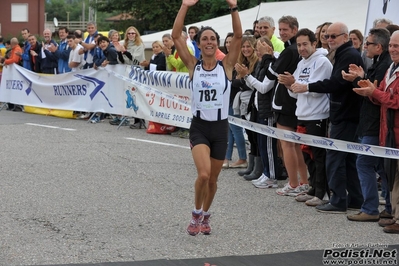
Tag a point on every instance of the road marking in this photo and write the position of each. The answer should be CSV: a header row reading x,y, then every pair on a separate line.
x,y
160,143
47,126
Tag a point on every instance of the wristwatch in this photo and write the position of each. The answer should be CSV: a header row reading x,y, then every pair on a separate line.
x,y
246,76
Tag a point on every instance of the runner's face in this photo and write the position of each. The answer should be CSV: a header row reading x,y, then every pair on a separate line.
x,y
208,43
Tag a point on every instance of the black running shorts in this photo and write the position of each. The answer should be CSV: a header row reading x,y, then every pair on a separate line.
x,y
211,133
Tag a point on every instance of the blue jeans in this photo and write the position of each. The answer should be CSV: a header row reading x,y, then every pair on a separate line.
x,y
367,166
236,134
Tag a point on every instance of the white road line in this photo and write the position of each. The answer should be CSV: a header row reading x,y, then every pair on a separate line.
x,y
47,126
160,143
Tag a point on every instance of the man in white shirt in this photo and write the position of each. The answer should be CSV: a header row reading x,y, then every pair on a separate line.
x,y
76,60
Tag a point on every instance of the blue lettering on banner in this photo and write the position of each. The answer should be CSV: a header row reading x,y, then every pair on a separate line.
x,y
292,136
324,142
163,115
392,152
359,147
29,88
98,85
14,84
268,130
70,90
158,78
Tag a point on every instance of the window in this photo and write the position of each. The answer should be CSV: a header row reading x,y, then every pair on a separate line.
x,y
19,12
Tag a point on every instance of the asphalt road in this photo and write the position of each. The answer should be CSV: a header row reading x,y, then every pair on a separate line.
x,y
74,192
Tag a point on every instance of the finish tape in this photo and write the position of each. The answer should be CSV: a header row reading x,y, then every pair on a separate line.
x,y
327,143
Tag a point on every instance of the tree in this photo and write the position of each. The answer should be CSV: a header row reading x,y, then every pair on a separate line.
x,y
159,15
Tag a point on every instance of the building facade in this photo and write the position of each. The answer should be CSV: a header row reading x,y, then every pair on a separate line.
x,y
19,14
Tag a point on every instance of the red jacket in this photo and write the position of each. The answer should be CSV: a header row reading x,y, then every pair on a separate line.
x,y
387,94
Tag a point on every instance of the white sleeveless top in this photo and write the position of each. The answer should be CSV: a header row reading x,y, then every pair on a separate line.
x,y
210,93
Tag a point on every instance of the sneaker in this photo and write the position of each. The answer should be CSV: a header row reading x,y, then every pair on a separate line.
x,y
84,116
176,133
303,197
115,122
194,227
285,190
205,226
261,179
267,183
299,190
126,122
315,201
184,134
95,120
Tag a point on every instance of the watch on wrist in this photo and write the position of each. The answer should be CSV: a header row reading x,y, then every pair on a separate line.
x,y
80,42
246,76
233,9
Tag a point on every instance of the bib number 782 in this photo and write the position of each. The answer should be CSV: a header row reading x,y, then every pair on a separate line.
x,y
208,95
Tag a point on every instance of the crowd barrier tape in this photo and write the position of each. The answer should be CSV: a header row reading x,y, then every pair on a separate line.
x,y
321,142
158,96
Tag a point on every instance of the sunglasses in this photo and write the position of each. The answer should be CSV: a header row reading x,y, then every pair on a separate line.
x,y
370,43
131,33
332,36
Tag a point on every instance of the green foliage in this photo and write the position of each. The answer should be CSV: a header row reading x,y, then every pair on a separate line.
x,y
158,15
149,15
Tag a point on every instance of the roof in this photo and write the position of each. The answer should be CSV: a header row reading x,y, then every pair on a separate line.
x,y
310,14
121,16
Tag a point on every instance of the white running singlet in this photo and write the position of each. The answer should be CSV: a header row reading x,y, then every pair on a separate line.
x,y
210,93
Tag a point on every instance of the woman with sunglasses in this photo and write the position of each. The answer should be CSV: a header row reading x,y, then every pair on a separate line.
x,y
131,52
131,48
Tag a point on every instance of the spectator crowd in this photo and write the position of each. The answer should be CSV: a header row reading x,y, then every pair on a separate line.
x,y
332,82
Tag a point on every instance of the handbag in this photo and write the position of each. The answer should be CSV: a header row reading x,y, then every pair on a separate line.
x,y
158,128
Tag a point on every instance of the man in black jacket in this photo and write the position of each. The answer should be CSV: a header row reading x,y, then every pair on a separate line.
x,y
369,126
345,105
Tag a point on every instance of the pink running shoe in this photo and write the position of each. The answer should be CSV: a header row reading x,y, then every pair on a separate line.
x,y
193,228
205,226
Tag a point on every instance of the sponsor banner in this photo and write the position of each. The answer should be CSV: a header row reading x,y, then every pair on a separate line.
x,y
327,143
157,96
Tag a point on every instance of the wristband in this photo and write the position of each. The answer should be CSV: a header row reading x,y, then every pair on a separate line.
x,y
232,9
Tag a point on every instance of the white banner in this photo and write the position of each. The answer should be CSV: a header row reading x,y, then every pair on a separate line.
x,y
326,143
382,9
152,95
157,96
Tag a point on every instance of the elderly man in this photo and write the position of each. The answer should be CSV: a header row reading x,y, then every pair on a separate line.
x,y
266,27
49,62
344,117
369,125
387,94
15,53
